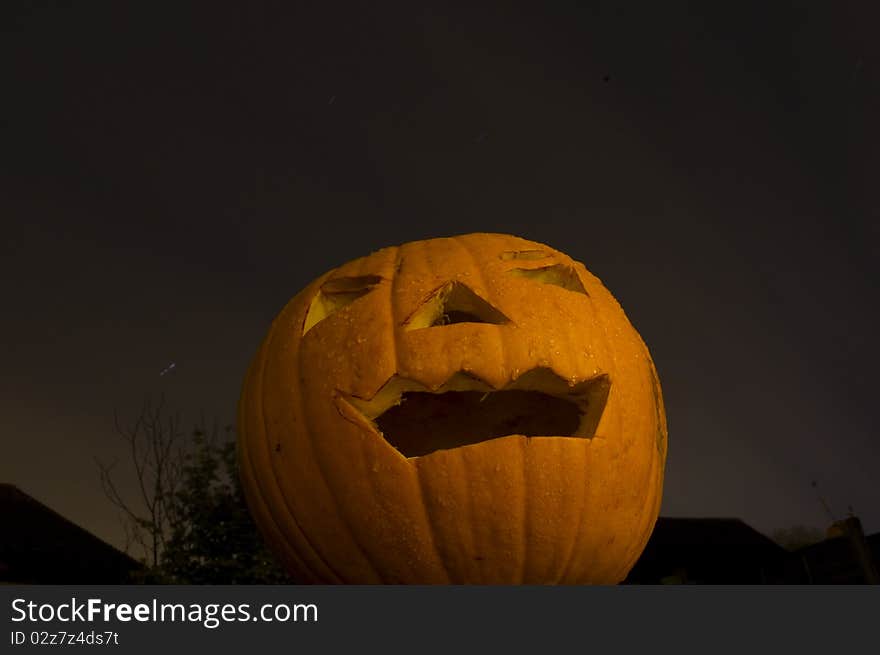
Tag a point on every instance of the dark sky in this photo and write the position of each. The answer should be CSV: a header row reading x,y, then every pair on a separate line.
x,y
171,177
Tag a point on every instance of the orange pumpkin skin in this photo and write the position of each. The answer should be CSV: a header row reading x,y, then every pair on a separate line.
x,y
338,503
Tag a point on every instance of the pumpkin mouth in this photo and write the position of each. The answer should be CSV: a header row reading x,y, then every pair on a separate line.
x,y
465,410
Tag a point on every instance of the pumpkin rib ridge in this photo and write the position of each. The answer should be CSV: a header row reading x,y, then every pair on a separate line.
x,y
428,527
524,530
568,347
475,265
468,518
429,516
579,532
431,527
256,481
637,545
272,526
522,544
606,302
318,463
263,445
658,404
303,543
647,521
289,508
254,496
650,503
599,321
569,557
659,459
575,548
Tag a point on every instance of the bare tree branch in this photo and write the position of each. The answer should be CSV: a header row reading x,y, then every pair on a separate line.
x,y
157,454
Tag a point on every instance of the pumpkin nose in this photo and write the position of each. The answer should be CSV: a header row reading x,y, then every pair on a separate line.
x,y
454,303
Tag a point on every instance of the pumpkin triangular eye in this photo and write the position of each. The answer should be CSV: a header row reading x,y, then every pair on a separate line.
x,y
558,274
454,303
336,294
507,255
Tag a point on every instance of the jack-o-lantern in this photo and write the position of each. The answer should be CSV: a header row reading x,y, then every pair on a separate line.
x,y
475,409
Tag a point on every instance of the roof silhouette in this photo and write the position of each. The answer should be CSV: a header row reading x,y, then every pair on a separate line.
x,y
40,546
709,531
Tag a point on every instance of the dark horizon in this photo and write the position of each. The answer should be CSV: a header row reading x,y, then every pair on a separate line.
x,y
173,179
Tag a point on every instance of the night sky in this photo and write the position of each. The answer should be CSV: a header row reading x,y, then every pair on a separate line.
x,y
172,174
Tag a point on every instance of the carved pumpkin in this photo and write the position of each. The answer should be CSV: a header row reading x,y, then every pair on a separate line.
x,y
475,409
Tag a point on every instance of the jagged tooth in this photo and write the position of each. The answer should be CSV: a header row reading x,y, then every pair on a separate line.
x,y
539,378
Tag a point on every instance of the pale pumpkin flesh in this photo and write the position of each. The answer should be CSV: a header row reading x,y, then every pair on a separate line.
x,y
483,316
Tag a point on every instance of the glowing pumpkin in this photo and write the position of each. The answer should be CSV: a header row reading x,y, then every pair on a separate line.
x,y
475,409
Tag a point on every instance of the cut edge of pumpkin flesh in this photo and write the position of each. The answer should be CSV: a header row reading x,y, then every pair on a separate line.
x,y
464,410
